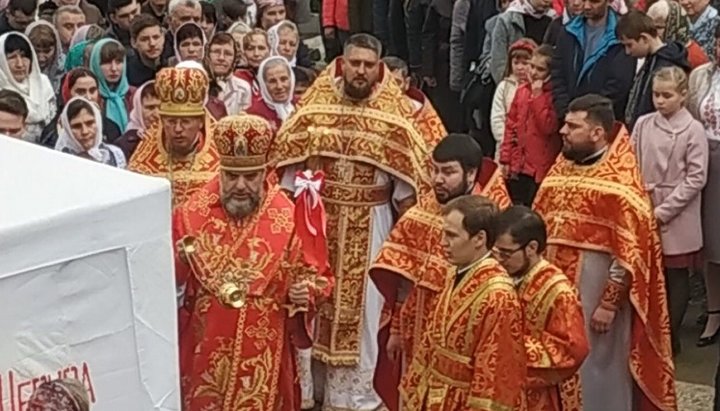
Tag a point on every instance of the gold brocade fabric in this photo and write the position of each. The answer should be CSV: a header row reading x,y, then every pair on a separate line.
x,y
352,142
604,207
472,355
186,175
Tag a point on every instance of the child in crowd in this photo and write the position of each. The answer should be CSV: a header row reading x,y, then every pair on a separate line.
x,y
516,72
531,142
672,151
641,39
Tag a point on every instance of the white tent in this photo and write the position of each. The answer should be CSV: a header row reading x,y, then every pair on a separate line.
x,y
87,287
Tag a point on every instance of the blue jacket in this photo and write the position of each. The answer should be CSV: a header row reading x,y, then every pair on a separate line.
x,y
608,71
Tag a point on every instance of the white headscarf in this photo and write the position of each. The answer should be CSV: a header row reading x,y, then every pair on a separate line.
x,y
54,71
283,109
36,90
177,45
66,140
274,39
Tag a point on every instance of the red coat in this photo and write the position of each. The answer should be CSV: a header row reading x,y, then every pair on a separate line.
x,y
335,14
531,142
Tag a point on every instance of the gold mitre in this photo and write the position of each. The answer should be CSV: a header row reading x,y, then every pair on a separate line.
x,y
182,91
243,142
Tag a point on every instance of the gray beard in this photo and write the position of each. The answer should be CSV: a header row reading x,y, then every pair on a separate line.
x,y
240,209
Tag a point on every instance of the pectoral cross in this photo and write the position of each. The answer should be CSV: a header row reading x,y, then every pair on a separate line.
x,y
342,169
559,221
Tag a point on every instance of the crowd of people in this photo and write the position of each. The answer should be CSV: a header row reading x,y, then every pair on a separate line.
x,y
469,205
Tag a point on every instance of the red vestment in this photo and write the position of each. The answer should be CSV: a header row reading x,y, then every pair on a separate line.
x,y
605,208
472,354
555,340
420,259
238,358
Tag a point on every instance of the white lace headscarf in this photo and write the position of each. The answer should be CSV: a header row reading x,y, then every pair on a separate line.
x,y
284,108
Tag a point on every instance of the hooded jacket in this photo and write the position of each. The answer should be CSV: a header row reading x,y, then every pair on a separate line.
x,y
640,99
608,71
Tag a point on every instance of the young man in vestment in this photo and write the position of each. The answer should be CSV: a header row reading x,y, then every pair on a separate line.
x,y
241,278
554,328
603,235
411,269
180,148
472,354
353,124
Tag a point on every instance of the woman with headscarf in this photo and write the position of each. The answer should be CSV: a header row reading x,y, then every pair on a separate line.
x,y
65,394
256,48
79,82
144,115
45,40
284,39
83,37
673,24
277,83
238,31
703,23
189,44
81,134
20,72
107,62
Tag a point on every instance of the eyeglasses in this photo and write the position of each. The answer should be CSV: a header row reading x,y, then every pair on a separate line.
x,y
504,254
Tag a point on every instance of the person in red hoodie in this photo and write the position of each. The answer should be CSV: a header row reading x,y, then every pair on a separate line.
x,y
531,142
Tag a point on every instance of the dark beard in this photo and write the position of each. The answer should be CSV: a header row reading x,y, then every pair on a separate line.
x,y
357,93
576,154
458,191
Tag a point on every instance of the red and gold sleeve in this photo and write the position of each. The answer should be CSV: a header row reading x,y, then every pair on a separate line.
x,y
555,353
499,359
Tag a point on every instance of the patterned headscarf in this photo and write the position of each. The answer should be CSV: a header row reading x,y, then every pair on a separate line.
x,y
677,25
56,396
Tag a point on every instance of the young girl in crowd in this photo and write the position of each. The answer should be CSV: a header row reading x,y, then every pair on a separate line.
x,y
531,142
20,72
144,115
284,40
672,152
515,73
81,134
107,62
189,44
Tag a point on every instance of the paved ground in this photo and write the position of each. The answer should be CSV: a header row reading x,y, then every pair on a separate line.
x,y
695,368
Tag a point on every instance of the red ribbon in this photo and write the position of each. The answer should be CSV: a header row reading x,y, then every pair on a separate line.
x,y
310,218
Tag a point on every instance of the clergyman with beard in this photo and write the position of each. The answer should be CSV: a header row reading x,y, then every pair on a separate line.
x,y
603,235
413,253
353,123
237,267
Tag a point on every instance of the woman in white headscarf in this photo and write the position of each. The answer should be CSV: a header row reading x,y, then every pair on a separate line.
x,y
277,84
81,134
190,43
284,39
20,72
45,40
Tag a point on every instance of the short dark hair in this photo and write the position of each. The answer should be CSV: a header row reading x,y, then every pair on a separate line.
x,y
115,5
396,64
209,13
599,110
188,31
142,22
544,50
149,90
304,76
479,214
12,102
635,23
16,42
523,225
75,107
112,51
461,148
26,7
364,41
234,9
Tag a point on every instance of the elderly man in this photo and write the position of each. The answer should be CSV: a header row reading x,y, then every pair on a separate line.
x,y
411,271
67,20
180,149
240,268
353,124
603,235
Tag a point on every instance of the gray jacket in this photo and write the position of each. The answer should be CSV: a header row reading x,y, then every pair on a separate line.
x,y
509,28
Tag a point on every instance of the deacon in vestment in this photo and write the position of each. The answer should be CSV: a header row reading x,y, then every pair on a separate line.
x,y
179,148
354,124
246,292
411,269
554,328
603,235
471,355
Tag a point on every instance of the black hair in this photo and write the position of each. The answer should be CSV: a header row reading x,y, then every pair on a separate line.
x,y
12,102
523,225
234,10
188,31
461,148
75,107
112,51
142,22
479,214
304,75
209,13
26,7
115,5
599,110
15,42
